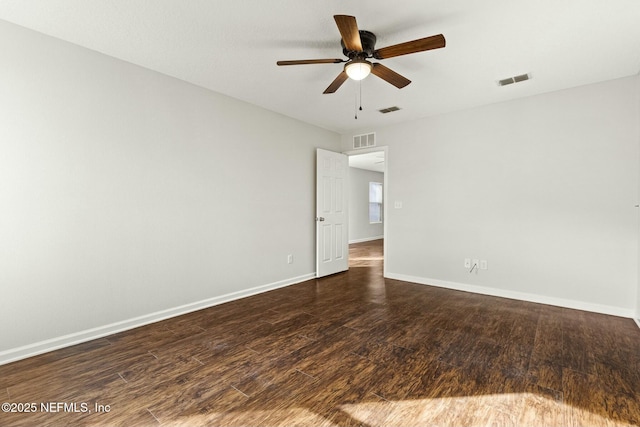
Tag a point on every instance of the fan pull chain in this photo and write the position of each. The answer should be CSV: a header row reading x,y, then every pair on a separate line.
x,y
356,100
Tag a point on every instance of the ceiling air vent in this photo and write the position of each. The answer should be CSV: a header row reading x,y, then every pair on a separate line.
x,y
389,110
514,79
364,141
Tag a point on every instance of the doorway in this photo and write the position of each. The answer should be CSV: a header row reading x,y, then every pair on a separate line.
x,y
367,207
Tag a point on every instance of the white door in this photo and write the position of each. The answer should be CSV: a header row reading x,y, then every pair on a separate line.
x,y
332,219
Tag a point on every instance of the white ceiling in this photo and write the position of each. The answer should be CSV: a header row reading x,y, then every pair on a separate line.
x,y
369,161
232,46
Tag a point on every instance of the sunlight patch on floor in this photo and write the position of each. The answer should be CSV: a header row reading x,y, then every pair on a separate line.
x,y
517,409
267,418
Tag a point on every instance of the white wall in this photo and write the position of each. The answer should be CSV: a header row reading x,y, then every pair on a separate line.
x,y
543,188
360,229
124,192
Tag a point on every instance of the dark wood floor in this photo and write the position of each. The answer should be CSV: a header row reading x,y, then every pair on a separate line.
x,y
350,349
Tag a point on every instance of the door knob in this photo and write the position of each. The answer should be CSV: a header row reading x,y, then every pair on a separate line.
x,y
319,218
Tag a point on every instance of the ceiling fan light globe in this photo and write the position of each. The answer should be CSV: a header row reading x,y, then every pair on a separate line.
x,y
358,70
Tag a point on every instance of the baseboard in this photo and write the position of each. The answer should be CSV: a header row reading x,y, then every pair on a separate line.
x,y
19,353
366,239
522,296
637,321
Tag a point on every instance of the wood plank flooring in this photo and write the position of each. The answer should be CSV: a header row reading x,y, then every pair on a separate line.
x,y
352,349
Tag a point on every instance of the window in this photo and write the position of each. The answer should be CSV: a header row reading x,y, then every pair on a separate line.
x,y
375,202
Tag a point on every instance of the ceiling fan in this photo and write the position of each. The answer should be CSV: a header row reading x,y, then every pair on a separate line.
x,y
359,47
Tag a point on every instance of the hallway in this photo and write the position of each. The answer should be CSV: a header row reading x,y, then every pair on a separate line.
x,y
366,254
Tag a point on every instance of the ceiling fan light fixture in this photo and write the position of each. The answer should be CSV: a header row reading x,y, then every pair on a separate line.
x,y
358,69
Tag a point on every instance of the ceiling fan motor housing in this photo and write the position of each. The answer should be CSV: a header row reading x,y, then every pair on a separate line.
x,y
368,40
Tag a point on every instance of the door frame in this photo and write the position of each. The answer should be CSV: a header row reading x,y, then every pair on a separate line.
x,y
385,207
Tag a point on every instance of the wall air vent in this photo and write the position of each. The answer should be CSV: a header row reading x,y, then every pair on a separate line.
x,y
364,141
514,79
389,110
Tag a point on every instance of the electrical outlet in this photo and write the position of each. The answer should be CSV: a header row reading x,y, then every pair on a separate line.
x,y
289,259
475,263
467,263
483,264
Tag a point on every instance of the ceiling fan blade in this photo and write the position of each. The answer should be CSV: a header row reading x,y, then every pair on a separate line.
x,y
390,76
335,85
414,46
349,31
311,61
